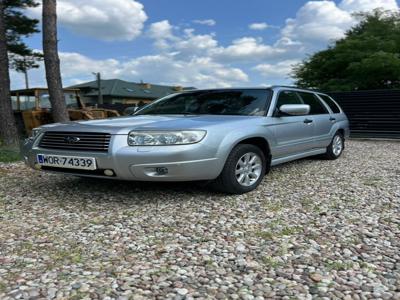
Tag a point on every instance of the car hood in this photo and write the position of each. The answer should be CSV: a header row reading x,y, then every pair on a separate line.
x,y
122,125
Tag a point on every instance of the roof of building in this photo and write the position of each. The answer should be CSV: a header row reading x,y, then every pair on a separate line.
x,y
121,88
31,91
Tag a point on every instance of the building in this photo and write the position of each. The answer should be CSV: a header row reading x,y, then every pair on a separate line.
x,y
116,91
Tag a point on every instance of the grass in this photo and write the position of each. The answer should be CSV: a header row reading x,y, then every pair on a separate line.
x,y
265,235
369,267
9,155
339,266
3,287
277,229
274,206
372,181
78,295
271,262
71,255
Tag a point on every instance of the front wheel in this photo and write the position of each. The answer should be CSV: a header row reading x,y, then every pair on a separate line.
x,y
243,171
336,147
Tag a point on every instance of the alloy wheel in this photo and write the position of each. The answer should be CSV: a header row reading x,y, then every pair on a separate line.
x,y
337,145
248,169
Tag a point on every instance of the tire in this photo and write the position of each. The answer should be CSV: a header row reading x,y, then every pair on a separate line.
x,y
335,148
252,163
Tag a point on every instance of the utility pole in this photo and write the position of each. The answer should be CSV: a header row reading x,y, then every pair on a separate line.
x,y
26,75
99,95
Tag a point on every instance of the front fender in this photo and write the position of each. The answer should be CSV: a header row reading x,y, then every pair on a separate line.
x,y
235,137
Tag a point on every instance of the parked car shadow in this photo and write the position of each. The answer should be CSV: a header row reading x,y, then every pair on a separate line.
x,y
131,186
106,190
87,185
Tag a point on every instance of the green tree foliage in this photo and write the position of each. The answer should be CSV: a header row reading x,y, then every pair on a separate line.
x,y
14,25
18,25
368,57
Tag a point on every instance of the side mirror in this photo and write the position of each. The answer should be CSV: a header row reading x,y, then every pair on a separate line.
x,y
295,109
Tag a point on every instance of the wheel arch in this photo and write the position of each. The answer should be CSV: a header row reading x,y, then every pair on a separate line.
x,y
261,143
341,131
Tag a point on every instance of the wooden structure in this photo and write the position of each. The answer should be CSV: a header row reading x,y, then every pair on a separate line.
x,y
35,108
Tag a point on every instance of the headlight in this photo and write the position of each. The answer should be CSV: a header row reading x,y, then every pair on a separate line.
x,y
34,133
160,138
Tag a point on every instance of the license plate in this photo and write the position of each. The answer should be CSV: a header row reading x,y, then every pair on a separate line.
x,y
70,162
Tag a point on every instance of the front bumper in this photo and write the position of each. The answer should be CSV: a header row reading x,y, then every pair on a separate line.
x,y
182,162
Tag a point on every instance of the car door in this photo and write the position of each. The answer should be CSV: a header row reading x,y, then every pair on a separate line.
x,y
322,119
293,134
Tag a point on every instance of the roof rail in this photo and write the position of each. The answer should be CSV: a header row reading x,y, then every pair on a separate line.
x,y
296,87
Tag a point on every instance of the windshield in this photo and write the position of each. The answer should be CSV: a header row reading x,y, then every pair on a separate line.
x,y
247,102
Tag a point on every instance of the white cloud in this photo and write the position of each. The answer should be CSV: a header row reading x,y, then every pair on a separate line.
x,y
75,68
188,44
108,20
367,5
162,68
162,33
258,26
195,44
74,65
317,22
161,30
247,49
208,22
187,58
182,58
278,70
199,72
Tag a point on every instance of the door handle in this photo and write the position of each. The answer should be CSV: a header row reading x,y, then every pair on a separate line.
x,y
332,119
308,121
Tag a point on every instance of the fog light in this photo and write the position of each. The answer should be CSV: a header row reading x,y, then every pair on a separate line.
x,y
161,171
109,172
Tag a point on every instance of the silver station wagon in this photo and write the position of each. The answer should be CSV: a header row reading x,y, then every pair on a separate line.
x,y
230,137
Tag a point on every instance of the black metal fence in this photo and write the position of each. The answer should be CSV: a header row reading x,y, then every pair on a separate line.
x,y
372,114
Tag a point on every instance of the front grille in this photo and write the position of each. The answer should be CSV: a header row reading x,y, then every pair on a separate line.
x,y
80,141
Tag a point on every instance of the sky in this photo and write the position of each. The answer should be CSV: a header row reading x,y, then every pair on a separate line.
x,y
207,43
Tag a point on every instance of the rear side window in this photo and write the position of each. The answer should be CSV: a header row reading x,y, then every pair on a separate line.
x,y
316,106
332,105
287,97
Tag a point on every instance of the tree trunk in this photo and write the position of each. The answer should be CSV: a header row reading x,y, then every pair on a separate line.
x,y
52,61
8,128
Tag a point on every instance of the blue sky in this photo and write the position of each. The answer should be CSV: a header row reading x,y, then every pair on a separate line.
x,y
194,43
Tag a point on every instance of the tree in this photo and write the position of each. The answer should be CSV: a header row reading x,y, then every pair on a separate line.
x,y
52,61
23,64
8,128
21,57
13,26
368,57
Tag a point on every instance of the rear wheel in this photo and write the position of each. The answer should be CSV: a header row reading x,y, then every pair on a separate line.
x,y
243,171
336,147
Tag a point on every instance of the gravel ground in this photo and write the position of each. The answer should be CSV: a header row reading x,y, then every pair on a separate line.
x,y
313,229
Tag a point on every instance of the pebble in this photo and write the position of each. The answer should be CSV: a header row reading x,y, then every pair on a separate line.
x,y
314,229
